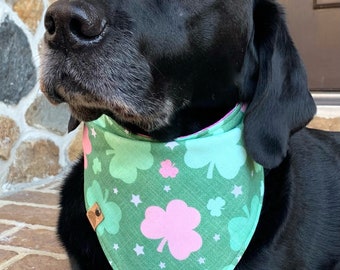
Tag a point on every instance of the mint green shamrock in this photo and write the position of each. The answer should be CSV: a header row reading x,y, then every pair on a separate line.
x,y
228,158
97,166
123,165
111,211
215,206
237,235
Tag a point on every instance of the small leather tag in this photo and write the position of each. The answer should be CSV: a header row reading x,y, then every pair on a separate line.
x,y
95,216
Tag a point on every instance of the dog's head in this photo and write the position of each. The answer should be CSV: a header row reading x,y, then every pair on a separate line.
x,y
169,68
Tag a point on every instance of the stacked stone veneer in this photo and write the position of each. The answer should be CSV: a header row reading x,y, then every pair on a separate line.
x,y
34,144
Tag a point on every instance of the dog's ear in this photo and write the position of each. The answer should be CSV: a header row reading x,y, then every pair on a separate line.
x,y
274,85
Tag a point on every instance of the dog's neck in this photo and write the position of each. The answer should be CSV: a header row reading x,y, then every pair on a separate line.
x,y
186,121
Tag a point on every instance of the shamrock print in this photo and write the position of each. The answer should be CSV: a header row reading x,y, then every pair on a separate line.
x,y
168,169
97,166
174,226
228,159
87,147
121,150
111,211
237,235
215,206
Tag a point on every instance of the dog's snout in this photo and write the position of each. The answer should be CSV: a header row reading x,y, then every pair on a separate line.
x,y
71,25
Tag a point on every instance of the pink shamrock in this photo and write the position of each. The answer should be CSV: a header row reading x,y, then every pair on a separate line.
x,y
175,226
168,169
87,147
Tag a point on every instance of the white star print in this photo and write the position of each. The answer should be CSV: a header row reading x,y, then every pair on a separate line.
x,y
201,260
115,191
162,265
167,188
237,191
115,247
172,145
93,132
136,200
139,250
217,237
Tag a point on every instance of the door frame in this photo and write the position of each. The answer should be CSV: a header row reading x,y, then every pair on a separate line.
x,y
317,5
326,98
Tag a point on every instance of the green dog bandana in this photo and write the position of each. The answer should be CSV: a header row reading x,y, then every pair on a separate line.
x,y
192,203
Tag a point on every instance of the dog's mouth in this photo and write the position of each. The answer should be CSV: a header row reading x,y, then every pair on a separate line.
x,y
87,105
128,118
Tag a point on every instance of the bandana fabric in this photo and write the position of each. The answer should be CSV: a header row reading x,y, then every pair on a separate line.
x,y
192,203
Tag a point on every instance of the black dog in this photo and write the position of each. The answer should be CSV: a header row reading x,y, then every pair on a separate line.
x,y
170,68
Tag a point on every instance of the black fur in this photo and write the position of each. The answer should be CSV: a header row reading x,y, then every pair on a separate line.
x,y
170,68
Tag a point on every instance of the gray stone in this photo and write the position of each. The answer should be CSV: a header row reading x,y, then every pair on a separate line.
x,y
18,74
41,114
10,2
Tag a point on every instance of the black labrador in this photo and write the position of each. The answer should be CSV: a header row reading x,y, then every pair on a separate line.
x,y
170,68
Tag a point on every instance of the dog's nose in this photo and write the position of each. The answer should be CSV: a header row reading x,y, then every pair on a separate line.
x,y
70,25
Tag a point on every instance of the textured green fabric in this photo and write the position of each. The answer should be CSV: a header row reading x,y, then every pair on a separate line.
x,y
193,203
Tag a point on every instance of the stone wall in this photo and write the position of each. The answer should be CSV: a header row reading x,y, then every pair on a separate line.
x,y
34,144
